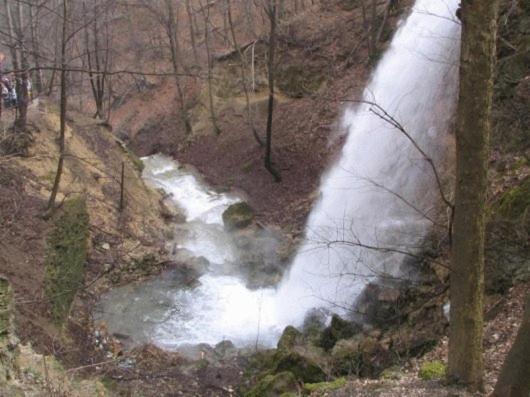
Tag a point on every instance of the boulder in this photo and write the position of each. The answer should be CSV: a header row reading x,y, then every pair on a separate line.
x,y
303,368
274,385
224,349
338,329
314,324
381,304
238,216
289,338
346,356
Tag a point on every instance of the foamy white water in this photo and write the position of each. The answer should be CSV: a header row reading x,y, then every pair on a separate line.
x,y
415,82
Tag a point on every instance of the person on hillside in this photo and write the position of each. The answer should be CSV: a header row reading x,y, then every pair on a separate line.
x,y
2,88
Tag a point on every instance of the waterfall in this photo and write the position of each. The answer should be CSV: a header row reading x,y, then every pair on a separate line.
x,y
382,193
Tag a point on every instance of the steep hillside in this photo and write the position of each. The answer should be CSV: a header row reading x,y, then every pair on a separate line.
x,y
115,239
322,58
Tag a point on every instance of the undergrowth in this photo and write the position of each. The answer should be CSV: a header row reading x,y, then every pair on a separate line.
x,y
66,254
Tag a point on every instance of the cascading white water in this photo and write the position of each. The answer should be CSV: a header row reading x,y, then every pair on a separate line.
x,y
380,193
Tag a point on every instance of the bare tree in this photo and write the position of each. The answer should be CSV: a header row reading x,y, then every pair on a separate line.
x,y
271,11
63,105
97,56
243,71
514,380
205,9
191,23
34,19
167,17
479,26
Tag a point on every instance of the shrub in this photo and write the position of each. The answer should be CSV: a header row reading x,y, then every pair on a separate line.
x,y
66,254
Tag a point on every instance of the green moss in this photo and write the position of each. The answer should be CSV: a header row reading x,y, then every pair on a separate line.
x,y
5,310
274,385
247,167
325,386
515,203
392,373
432,370
288,338
303,368
238,216
65,257
143,264
137,162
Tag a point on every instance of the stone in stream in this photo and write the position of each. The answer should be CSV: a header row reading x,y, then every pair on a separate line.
x,y
238,216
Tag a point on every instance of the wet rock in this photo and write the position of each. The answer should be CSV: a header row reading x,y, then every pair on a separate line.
x,y
188,268
303,368
314,324
338,329
224,349
169,212
274,385
259,261
346,356
238,216
289,338
381,304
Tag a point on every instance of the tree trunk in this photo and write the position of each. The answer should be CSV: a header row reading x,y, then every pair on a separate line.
x,y
472,149
63,104
11,38
191,30
514,380
35,46
213,117
243,67
271,12
171,32
22,76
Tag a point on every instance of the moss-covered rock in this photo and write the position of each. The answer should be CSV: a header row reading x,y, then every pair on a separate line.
x,y
515,203
432,370
507,240
347,356
238,216
392,373
289,338
66,254
274,385
338,329
303,368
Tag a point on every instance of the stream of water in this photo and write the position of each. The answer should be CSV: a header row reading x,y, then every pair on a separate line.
x,y
380,194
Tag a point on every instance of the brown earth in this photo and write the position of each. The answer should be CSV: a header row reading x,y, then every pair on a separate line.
x,y
92,169
504,315
329,42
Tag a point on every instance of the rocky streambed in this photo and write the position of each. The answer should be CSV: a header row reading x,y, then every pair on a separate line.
x,y
221,282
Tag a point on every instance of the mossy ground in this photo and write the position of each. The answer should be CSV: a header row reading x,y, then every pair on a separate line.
x,y
323,387
65,256
515,203
432,370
